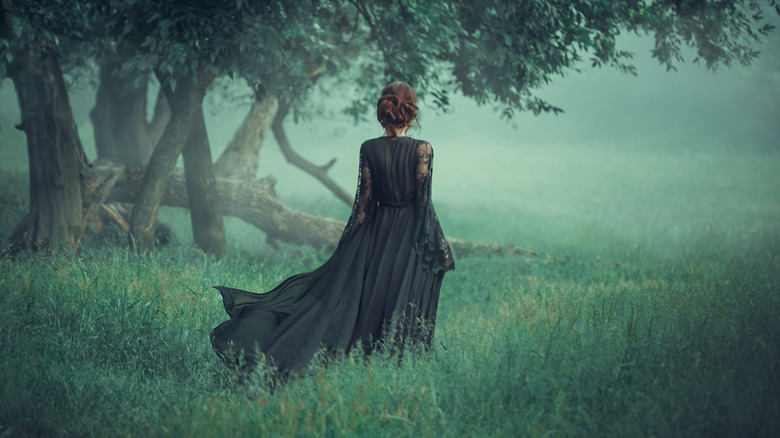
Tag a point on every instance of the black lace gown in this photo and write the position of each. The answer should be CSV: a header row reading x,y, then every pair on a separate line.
x,y
385,273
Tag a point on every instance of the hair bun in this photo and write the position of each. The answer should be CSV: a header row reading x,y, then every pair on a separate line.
x,y
391,98
397,108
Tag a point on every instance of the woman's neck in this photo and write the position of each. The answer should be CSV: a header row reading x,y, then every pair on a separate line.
x,y
398,132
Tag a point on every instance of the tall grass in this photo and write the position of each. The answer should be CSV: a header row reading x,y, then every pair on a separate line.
x,y
623,327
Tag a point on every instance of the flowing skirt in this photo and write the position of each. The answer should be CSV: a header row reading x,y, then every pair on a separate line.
x,y
373,290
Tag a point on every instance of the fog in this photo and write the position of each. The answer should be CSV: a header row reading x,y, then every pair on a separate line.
x,y
546,165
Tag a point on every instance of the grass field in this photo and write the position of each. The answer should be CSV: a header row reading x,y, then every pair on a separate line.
x,y
652,311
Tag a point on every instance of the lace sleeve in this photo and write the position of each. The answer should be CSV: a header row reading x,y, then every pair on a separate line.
x,y
364,199
431,243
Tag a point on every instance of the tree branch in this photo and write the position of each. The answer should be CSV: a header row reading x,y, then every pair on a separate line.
x,y
318,172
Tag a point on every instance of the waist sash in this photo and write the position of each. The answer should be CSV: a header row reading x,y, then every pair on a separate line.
x,y
395,204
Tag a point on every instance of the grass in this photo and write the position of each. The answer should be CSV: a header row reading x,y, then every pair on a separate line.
x,y
652,311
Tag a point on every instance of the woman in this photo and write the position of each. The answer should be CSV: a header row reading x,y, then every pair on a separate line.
x,y
381,285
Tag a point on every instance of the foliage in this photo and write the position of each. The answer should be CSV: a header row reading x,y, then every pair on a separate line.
x,y
502,51
498,52
261,41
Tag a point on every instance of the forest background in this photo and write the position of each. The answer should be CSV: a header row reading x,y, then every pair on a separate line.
x,y
651,307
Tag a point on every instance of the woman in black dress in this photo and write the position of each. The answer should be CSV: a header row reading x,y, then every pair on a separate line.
x,y
380,287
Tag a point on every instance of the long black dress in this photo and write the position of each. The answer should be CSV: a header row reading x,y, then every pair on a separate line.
x,y
385,273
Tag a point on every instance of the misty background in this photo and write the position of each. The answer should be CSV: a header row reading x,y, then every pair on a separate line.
x,y
618,143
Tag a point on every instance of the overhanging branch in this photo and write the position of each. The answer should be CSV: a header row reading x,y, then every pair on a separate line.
x,y
318,172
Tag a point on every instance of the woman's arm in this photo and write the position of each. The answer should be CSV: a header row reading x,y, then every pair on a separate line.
x,y
431,243
364,198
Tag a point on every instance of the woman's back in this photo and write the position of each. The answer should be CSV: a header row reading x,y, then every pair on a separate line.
x,y
392,166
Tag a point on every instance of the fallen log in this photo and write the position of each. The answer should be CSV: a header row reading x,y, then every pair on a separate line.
x,y
469,247
256,203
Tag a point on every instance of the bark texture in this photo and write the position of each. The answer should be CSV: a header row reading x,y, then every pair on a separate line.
x,y
240,159
185,102
6,23
208,228
56,157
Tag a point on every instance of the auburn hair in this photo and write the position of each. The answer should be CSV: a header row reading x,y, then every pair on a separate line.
x,y
397,107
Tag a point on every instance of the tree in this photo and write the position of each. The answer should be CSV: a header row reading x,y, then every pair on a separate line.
x,y
186,104
498,53
188,44
55,154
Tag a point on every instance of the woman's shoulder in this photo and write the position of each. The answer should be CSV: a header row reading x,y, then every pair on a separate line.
x,y
415,143
421,146
418,143
374,141
406,141
405,138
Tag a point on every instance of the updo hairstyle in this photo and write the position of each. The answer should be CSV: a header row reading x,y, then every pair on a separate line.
x,y
397,107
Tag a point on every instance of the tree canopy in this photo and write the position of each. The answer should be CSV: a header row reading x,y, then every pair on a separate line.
x,y
502,51
496,52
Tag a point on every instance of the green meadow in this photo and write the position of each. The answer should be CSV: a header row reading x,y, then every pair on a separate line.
x,y
652,310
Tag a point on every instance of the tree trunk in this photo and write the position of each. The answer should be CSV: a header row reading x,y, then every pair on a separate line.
x,y
6,22
185,102
119,119
240,158
56,157
208,228
122,134
160,118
